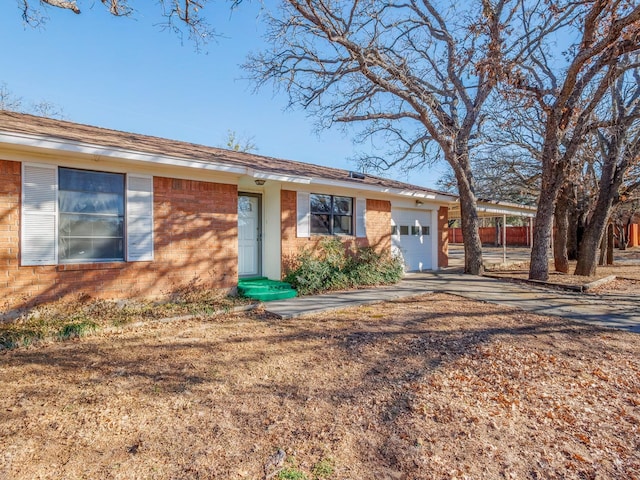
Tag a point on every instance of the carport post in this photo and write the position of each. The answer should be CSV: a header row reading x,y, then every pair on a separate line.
x,y
504,238
531,231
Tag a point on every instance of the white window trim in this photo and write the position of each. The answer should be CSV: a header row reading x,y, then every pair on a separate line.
x,y
303,215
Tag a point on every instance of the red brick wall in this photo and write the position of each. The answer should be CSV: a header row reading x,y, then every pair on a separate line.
x,y
379,224
443,237
195,237
378,228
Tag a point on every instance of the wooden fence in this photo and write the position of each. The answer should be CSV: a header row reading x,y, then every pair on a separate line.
x,y
516,236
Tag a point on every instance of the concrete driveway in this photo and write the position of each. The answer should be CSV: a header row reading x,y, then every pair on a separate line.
x,y
615,311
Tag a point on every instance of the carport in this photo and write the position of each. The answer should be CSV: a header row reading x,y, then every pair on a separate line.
x,y
498,209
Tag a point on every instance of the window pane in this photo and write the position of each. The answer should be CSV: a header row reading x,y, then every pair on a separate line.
x,y
342,205
320,203
87,181
404,230
394,230
86,202
342,224
321,224
425,230
83,249
415,230
90,225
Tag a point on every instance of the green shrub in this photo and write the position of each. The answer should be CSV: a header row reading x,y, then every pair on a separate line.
x,y
334,267
291,473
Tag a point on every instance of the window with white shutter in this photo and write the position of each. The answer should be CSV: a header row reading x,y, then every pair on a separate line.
x,y
39,214
361,217
303,214
139,218
73,216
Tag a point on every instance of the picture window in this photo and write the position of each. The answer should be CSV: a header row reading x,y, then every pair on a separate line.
x,y
91,216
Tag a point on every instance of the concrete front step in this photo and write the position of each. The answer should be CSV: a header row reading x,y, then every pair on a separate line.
x,y
265,290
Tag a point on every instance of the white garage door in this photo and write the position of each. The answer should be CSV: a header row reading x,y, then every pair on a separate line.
x,y
411,238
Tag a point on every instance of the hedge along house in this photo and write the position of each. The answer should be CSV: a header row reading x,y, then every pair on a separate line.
x,y
109,214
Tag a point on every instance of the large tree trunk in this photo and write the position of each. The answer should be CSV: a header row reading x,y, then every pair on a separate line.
x,y
603,251
539,266
560,239
473,264
552,181
470,234
574,233
587,257
610,241
595,229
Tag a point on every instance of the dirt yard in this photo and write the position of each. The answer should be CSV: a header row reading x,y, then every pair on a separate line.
x,y
433,387
626,269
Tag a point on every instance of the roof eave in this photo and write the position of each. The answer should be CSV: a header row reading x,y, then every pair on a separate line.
x,y
47,143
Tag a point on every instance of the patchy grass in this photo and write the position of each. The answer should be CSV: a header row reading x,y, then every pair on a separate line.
x,y
64,320
430,387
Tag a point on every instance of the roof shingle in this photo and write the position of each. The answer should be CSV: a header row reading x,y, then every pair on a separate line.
x,y
13,122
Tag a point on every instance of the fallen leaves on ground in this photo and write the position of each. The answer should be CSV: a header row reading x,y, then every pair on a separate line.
x,y
431,387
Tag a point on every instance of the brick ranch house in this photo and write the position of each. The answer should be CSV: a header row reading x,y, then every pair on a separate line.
x,y
86,210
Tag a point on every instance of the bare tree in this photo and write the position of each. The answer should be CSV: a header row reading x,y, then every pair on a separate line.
x,y
608,30
619,141
415,74
238,143
43,108
506,160
180,16
8,100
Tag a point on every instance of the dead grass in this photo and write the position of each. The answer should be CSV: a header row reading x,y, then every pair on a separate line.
x,y
433,387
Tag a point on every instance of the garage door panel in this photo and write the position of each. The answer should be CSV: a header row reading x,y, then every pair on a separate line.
x,y
411,238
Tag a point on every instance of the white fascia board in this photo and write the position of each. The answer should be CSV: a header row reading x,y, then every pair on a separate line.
x,y
278,177
415,194
47,143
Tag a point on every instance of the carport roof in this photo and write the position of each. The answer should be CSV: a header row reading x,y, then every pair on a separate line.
x,y
495,208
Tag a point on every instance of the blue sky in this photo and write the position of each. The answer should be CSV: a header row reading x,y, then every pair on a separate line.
x,y
128,74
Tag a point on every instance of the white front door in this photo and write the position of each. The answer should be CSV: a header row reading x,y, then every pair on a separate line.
x,y
249,235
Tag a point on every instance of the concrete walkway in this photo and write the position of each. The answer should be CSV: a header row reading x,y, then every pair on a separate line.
x,y
616,311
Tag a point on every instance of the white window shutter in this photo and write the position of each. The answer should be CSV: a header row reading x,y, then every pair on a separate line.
x,y
361,217
139,218
304,214
39,220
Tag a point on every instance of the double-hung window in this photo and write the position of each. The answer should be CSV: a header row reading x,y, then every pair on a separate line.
x,y
91,216
331,214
